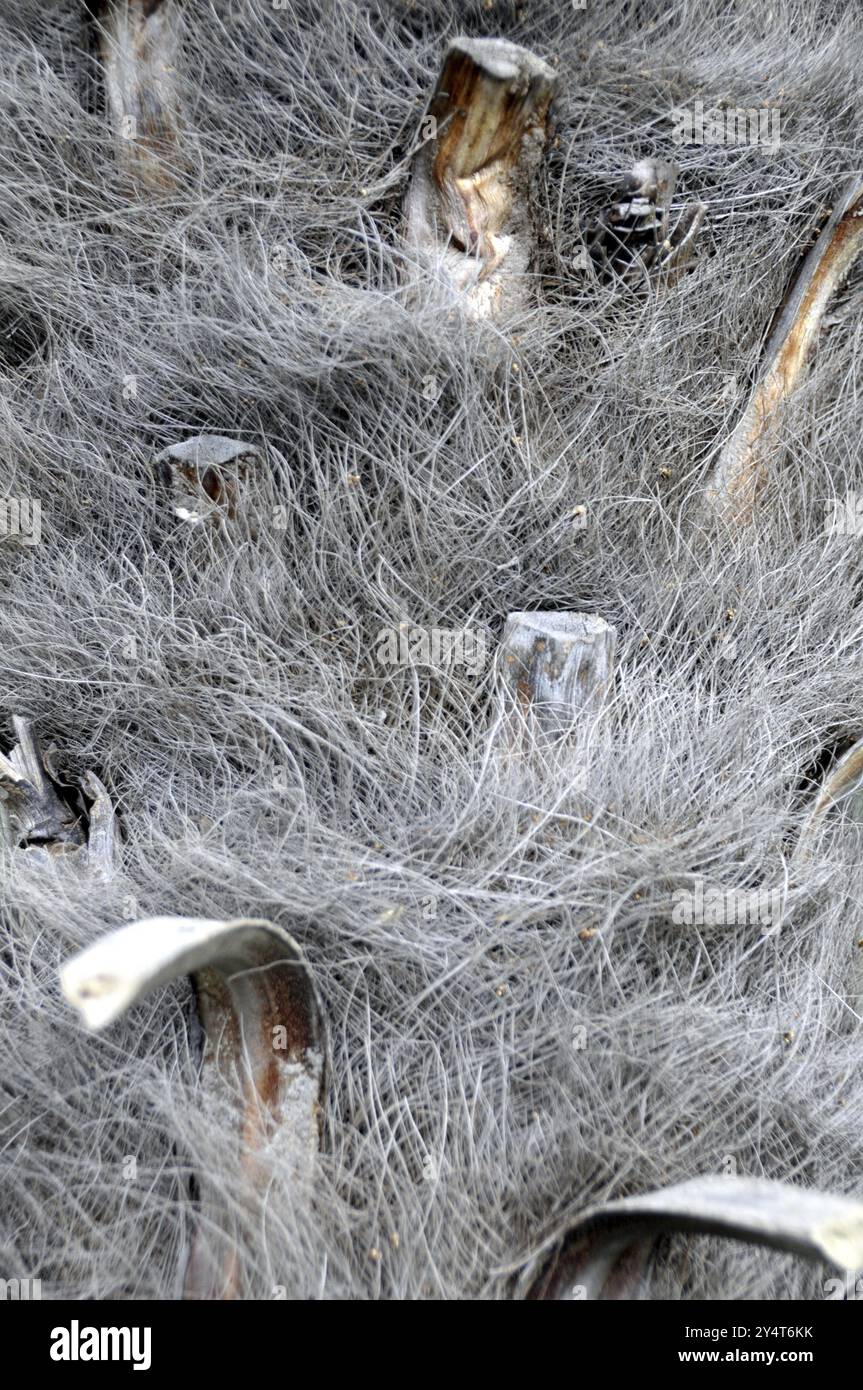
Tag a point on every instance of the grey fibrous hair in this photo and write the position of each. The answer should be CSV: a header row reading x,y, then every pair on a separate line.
x,y
518,1028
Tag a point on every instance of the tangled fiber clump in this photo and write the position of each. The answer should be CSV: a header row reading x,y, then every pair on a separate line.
x,y
517,1024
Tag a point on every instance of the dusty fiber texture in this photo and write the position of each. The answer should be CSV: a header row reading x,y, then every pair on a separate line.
x,y
517,1025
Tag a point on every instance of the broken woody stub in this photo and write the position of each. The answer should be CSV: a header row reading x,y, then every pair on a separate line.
x,y
138,42
469,205
555,665
202,475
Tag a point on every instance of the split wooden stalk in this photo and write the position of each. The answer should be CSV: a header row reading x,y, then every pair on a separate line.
x,y
633,238
745,459
42,826
556,665
36,814
468,210
263,1059
604,1253
138,44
